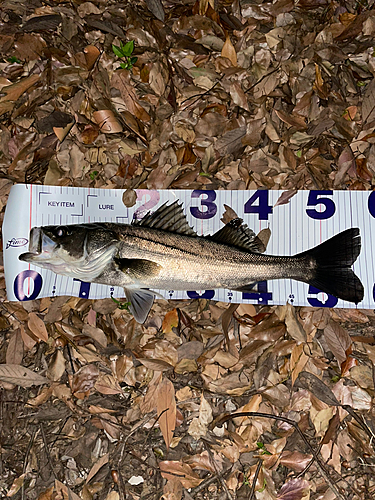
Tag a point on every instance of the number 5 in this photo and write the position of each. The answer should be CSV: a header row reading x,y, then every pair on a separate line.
x,y
314,200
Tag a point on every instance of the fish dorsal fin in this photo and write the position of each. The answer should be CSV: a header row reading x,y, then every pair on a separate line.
x,y
170,218
237,234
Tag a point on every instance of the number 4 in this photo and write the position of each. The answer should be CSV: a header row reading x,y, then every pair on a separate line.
x,y
263,208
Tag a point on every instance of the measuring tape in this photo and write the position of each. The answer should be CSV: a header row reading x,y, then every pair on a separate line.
x,y
308,219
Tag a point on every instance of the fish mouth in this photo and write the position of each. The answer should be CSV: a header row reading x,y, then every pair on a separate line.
x,y
41,247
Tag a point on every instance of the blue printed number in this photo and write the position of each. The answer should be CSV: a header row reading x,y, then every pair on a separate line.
x,y
263,208
207,202
262,295
18,286
315,302
371,203
84,289
208,294
314,200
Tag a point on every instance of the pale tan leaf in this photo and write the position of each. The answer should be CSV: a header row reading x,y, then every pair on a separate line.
x,y
37,327
199,426
56,368
62,132
155,364
229,51
184,473
97,466
14,91
166,409
107,121
17,485
107,384
19,375
64,492
298,360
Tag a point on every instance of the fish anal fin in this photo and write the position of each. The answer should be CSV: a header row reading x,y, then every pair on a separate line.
x,y
237,234
170,218
141,301
138,268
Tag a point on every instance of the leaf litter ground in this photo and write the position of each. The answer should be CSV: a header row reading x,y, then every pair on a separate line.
x,y
216,95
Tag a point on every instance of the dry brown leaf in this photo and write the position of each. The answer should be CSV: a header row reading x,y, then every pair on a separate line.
x,y
182,471
64,492
19,375
298,360
229,51
56,367
14,91
37,327
338,341
14,352
295,489
91,55
97,466
166,409
84,379
107,121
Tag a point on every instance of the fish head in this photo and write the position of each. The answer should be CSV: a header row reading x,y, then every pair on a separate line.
x,y
70,250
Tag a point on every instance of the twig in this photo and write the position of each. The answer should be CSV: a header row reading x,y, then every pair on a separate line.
x,y
253,485
318,461
29,446
218,473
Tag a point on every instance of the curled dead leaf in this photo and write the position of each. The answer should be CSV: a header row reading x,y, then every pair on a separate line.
x,y
107,121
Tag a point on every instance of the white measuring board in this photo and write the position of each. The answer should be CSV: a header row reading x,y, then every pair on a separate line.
x,y
310,218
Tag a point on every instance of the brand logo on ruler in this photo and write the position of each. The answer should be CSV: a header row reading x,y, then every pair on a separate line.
x,y
17,242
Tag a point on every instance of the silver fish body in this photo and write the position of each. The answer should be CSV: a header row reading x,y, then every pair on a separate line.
x,y
163,252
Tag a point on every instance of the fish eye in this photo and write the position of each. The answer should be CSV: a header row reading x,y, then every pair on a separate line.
x,y
62,231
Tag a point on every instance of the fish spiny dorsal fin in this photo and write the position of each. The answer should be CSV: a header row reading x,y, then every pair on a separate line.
x,y
170,218
237,234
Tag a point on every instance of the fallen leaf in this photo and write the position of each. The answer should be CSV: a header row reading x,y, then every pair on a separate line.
x,y
229,51
166,409
19,375
107,121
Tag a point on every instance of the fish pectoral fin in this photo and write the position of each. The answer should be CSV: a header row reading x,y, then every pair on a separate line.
x,y
138,268
141,301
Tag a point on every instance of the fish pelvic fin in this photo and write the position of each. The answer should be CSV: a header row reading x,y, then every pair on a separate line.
x,y
141,301
332,261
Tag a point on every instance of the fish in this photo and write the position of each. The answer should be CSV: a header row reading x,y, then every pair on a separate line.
x,y
161,251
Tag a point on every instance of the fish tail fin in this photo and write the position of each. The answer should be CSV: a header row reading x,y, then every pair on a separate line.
x,y
332,261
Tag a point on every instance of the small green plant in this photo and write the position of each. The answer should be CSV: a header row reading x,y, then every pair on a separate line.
x,y
263,449
93,174
121,305
125,52
14,59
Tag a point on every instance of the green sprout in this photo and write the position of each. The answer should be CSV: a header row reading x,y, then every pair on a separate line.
x,y
125,52
121,305
13,59
93,174
263,449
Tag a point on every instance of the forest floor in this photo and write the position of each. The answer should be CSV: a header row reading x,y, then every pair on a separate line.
x,y
159,94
